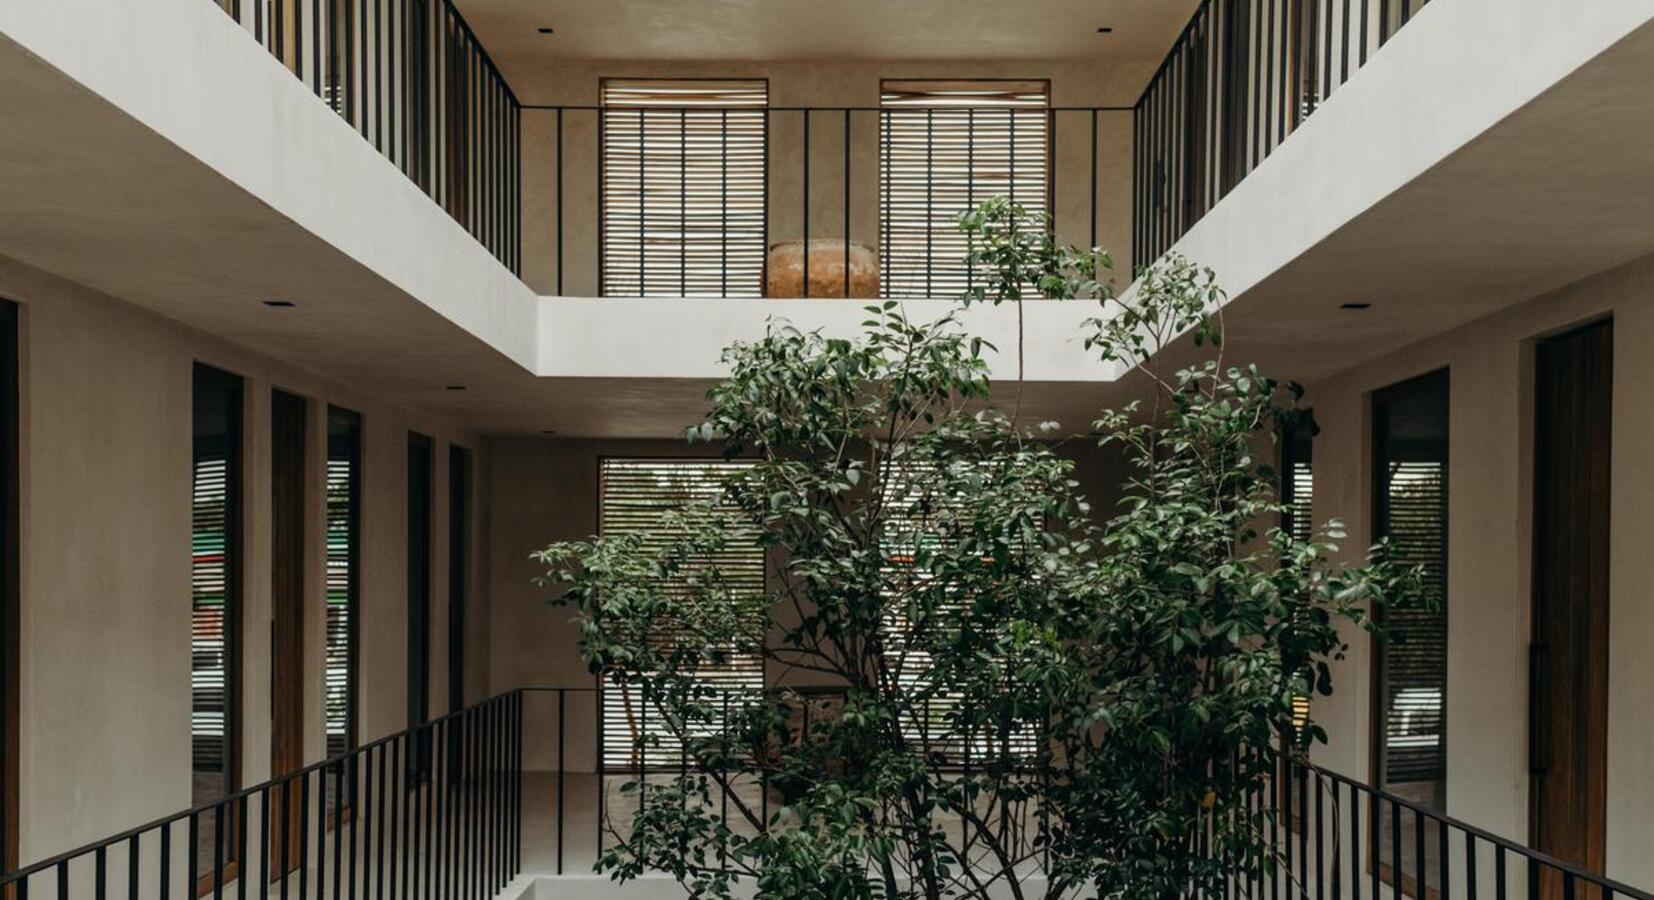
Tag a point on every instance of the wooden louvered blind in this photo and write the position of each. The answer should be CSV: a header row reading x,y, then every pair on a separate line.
x,y
636,497
944,147
209,646
343,550
214,549
683,187
919,517
1298,493
1410,427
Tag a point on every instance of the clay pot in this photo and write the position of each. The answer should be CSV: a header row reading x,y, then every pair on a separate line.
x,y
786,270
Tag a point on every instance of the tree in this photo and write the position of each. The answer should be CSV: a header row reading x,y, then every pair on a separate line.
x,y
1009,697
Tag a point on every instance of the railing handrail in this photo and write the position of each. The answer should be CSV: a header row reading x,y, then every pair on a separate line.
x,y
598,107
1480,834
261,788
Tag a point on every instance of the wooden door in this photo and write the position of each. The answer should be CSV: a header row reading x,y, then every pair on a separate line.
x,y
1568,681
287,533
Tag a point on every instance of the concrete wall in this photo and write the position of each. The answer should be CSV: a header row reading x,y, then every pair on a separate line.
x,y
105,569
816,84
1490,535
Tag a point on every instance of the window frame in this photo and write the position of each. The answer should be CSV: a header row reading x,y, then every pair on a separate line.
x,y
888,274
605,271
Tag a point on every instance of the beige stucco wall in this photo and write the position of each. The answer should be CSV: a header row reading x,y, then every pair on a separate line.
x,y
1490,527
105,570
816,84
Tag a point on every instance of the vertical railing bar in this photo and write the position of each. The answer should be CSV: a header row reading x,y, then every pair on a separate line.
x,y
193,860
134,854
379,824
218,852
1355,846
723,221
846,202
1093,243
286,789
263,843
1267,94
562,765
683,201
1470,865
805,218
304,835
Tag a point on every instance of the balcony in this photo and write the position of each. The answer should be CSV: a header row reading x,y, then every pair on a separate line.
x,y
518,794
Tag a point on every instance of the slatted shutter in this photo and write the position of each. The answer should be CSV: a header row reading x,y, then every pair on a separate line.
x,y
683,188
214,552
1298,493
918,518
944,147
343,550
636,497
1410,430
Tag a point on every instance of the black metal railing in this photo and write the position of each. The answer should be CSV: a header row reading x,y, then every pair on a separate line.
x,y
414,81
1240,78
459,806
824,176
432,811
1340,838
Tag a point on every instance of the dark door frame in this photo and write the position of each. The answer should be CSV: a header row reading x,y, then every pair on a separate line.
x,y
289,432
1572,491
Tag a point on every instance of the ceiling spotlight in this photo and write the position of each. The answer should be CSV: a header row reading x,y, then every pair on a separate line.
x,y
456,387
279,304
546,29
1356,306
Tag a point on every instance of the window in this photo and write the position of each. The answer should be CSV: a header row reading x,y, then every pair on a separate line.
x,y
1298,493
944,147
920,517
343,577
215,589
635,496
683,188
459,569
419,579
1410,458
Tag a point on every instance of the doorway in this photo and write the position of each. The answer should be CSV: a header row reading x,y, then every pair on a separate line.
x,y
1568,658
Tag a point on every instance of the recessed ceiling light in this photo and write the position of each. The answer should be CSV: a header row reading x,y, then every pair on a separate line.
x,y
1356,306
279,304
548,431
456,387
546,29
1105,30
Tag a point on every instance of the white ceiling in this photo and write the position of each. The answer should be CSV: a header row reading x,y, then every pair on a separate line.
x,y
779,30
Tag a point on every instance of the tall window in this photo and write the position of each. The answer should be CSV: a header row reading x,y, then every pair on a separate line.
x,y
944,147
215,589
419,578
922,518
683,187
459,569
343,587
1410,458
636,496
1298,493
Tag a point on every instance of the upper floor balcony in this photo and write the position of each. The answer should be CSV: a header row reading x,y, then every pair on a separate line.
x,y
472,183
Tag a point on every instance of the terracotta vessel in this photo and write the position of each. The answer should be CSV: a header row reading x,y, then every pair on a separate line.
x,y
827,265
